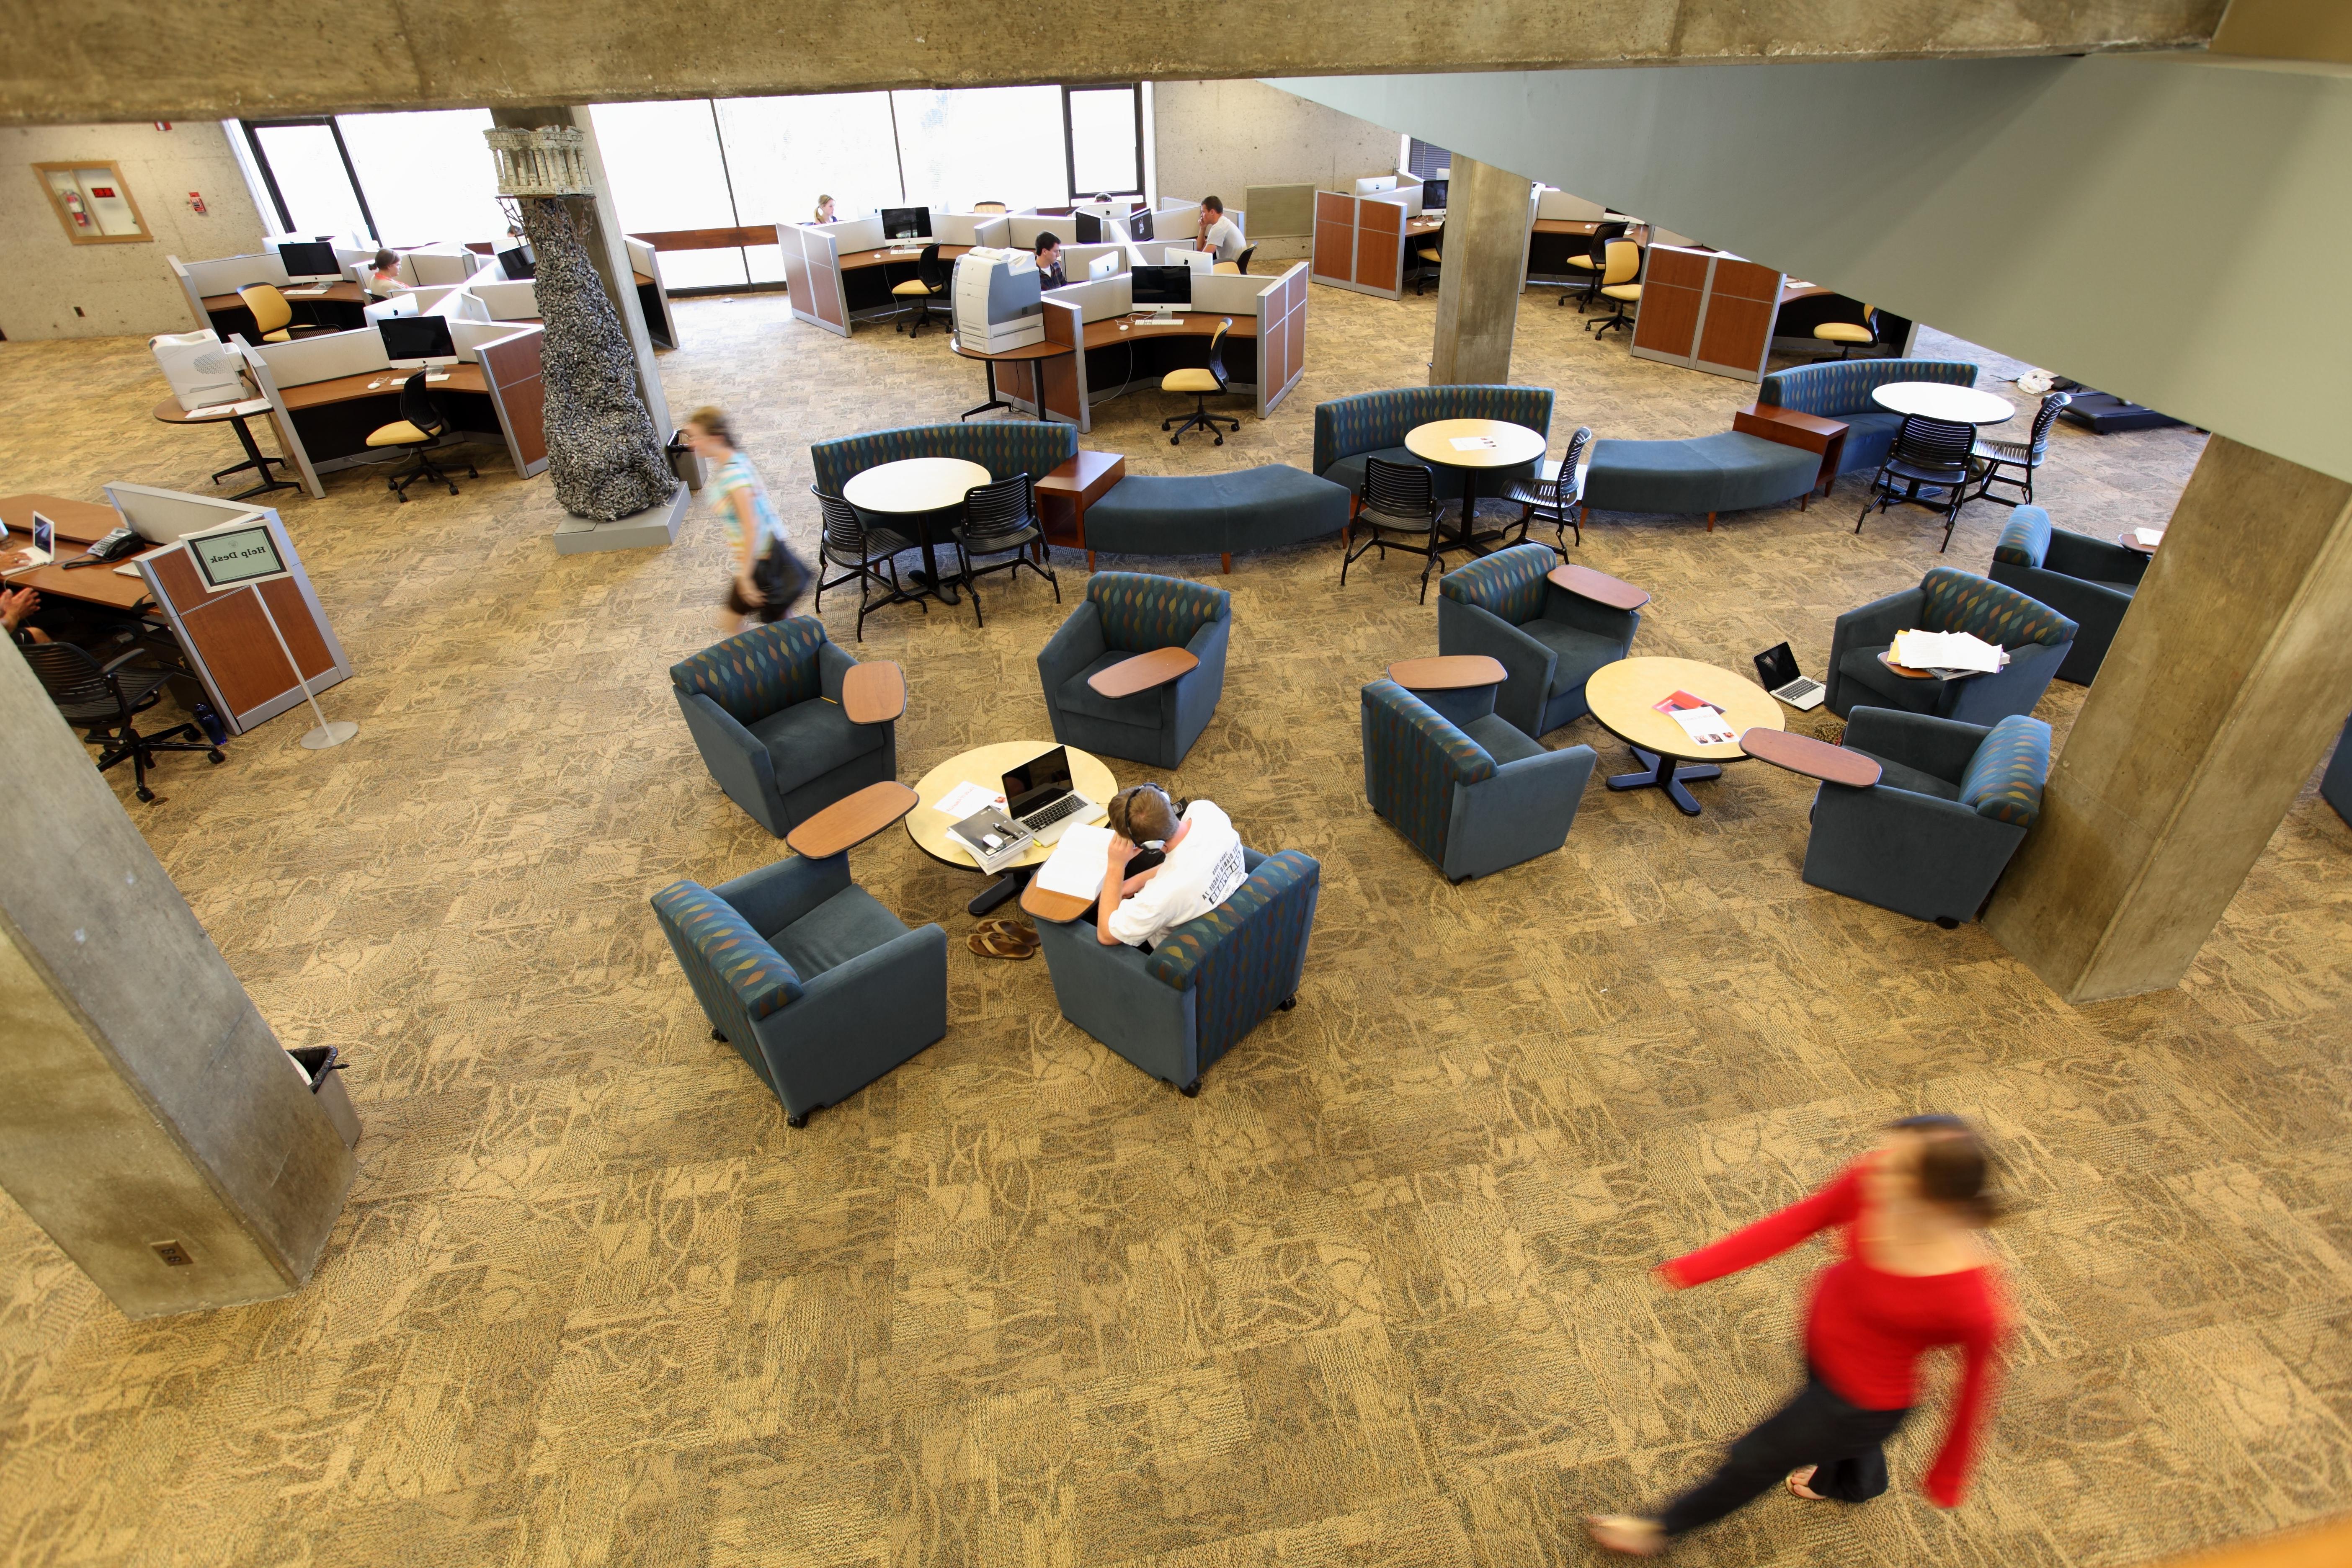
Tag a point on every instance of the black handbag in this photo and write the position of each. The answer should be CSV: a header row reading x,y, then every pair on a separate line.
x,y
779,576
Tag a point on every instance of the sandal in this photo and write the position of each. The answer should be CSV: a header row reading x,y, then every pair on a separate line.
x,y
1012,931
996,944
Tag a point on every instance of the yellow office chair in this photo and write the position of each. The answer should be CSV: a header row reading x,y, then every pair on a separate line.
x,y
1203,384
273,318
419,429
1239,266
1623,264
988,207
1848,336
1591,265
930,282
1432,258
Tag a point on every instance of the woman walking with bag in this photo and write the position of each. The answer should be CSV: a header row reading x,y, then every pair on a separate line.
x,y
767,578
1915,1275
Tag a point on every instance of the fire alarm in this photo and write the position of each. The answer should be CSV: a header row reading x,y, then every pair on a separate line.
x,y
163,125
196,202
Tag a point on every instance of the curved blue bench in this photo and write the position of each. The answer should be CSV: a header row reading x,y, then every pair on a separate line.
x,y
1215,514
1374,425
1729,472
1841,390
1003,446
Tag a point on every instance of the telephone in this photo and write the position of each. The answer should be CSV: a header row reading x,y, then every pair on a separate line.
x,y
123,542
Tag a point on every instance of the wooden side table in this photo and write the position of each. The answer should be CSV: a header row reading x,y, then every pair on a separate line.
x,y
851,820
1813,758
1064,495
1448,672
1059,908
874,692
1790,429
1144,671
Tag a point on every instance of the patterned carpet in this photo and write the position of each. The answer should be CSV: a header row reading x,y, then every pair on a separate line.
x,y
1375,1297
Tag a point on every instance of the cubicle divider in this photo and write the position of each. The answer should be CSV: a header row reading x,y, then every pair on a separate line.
x,y
653,294
1708,311
837,274
508,301
1359,243
1281,335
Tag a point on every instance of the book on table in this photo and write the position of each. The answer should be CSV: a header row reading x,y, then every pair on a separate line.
x,y
995,839
1076,866
1702,721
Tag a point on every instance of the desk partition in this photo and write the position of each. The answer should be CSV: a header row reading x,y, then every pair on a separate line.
x,y
508,301
835,279
653,294
1707,309
1266,350
1359,243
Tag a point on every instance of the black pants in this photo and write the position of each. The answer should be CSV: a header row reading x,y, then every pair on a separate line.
x,y
1817,1427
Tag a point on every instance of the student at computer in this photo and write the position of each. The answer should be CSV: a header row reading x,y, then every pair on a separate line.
x,y
1202,867
1049,261
383,275
1218,234
824,210
17,607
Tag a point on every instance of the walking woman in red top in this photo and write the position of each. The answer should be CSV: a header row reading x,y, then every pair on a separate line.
x,y
1914,1275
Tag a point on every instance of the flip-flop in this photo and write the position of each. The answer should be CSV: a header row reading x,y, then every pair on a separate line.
x,y
995,944
1025,935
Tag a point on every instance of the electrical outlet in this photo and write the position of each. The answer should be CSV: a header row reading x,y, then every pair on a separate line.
x,y
77,309
173,1255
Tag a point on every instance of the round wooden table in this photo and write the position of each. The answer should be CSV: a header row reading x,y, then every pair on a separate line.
x,y
1942,400
917,489
986,766
170,412
2132,542
1496,444
1622,694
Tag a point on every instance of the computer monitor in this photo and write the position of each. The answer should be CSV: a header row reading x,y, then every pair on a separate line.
x,y
308,261
518,263
1432,195
412,342
1139,228
1162,285
1087,226
1102,266
906,223
1373,185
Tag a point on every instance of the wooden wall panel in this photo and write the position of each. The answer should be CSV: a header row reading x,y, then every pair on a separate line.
x,y
512,367
1064,375
1674,284
1335,236
1380,244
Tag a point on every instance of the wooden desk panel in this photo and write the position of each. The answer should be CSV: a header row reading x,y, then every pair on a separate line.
x,y
1335,235
1742,301
240,653
1197,324
1565,226
1379,231
889,257
1674,286
336,294
466,377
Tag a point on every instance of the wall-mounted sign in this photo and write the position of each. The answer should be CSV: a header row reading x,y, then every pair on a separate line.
x,y
236,555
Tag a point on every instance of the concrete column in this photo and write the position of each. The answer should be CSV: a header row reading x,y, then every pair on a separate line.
x,y
1478,287
600,233
152,1123
2229,677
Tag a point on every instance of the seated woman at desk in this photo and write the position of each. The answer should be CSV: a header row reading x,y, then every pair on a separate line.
x,y
383,274
824,210
1201,867
1049,261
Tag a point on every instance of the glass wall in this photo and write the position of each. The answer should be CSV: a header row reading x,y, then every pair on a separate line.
x,y
782,153
668,172
429,177
983,144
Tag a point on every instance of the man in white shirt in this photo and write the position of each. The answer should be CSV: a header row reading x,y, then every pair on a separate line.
x,y
1202,867
1218,236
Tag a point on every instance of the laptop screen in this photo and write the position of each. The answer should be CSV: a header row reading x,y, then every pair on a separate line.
x,y
1039,782
1776,666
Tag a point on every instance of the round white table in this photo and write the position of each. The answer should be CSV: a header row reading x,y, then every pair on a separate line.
x,y
916,489
986,766
1941,400
1473,446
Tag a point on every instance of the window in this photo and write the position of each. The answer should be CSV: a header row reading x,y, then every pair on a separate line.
x,y
668,172
310,177
980,144
785,153
1103,134
429,177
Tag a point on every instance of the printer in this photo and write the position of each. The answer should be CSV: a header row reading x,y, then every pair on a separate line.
x,y
996,303
202,369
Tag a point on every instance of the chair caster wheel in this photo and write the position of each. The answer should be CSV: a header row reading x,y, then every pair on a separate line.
x,y
1947,923
1175,440
799,1121
146,794
216,757
1288,1003
719,1037
1190,1090
1220,440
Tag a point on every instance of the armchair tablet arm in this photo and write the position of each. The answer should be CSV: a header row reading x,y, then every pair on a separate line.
x,y
1077,645
775,896
1465,629
1942,747
736,758
1524,811
857,1020
833,665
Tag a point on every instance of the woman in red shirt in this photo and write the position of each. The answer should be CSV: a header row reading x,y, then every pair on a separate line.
x,y
1914,1274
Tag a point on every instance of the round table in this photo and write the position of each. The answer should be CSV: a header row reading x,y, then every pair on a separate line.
x,y
1622,696
915,488
1511,446
170,412
986,766
1942,400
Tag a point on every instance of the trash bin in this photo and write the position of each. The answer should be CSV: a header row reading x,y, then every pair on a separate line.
x,y
683,462
321,1068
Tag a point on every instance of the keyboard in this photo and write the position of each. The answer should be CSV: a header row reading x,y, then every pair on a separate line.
x,y
1803,693
1038,821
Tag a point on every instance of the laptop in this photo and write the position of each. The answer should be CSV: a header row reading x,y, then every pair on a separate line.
x,y
1041,796
1776,667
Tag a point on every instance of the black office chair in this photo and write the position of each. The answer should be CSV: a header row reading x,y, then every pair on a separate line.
x,y
1932,452
1431,260
1239,265
1400,511
1595,262
101,699
2025,456
1558,500
1001,519
923,290
1204,384
420,429
847,542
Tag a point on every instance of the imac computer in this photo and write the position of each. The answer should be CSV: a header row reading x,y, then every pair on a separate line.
x,y
309,261
1166,289
1201,261
1087,226
1432,195
906,223
1139,228
418,342
1102,266
518,263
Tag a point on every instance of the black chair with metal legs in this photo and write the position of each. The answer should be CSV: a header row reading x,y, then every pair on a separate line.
x,y
1593,264
1557,497
1400,511
1001,519
2023,456
1930,452
848,542
101,699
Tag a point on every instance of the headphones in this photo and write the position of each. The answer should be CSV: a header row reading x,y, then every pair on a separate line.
x,y
1174,810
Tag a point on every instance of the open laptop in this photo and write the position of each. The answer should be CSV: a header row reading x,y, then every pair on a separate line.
x,y
1041,796
1776,667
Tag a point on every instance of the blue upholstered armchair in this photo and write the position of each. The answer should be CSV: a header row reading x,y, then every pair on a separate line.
x,y
821,988
1840,389
765,710
1550,639
1177,1009
2036,636
1933,836
2088,579
1475,798
1126,614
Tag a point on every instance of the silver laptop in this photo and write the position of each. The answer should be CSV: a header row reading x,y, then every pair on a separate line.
x,y
1041,797
1776,668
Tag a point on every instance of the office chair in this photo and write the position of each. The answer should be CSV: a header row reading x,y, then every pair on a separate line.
x,y
1623,265
1202,384
1933,452
419,429
1850,336
1001,519
1433,261
929,281
2026,454
1239,265
1594,262
101,699
988,207
1401,508
273,318
850,543
1557,498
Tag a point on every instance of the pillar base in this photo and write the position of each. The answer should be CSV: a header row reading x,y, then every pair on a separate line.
x,y
652,528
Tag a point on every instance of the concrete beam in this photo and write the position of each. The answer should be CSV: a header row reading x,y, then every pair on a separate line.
x,y
123,60
1478,283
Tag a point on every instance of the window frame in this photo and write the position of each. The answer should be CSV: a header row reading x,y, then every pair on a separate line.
x,y
1134,90
269,176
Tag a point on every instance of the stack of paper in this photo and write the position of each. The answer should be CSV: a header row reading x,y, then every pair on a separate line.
x,y
1705,726
2151,537
1474,443
1076,866
1962,652
966,800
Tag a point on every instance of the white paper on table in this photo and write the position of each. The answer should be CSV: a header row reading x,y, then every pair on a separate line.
x,y
1705,726
2151,537
1474,443
968,800
128,569
1076,866
1945,650
213,410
